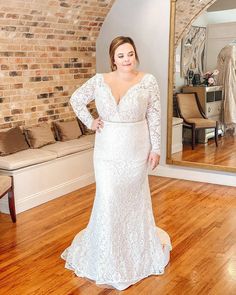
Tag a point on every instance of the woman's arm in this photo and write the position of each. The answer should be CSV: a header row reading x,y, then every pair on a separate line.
x,y
81,97
154,116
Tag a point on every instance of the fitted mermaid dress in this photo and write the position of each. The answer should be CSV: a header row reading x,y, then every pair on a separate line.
x,y
121,244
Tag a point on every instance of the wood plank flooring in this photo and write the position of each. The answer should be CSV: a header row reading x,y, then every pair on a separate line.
x,y
223,155
200,218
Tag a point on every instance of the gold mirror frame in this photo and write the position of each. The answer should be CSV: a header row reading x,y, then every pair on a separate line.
x,y
171,74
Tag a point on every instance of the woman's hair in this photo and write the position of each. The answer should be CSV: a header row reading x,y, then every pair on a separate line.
x,y
115,43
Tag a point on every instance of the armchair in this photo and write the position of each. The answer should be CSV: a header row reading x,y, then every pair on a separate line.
x,y
190,110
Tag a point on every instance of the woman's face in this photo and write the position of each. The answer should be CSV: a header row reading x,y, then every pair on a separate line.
x,y
124,58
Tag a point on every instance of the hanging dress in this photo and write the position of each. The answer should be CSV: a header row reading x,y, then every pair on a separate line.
x,y
226,64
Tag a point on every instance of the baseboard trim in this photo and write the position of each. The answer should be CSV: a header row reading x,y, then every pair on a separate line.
x,y
199,175
72,185
178,147
48,195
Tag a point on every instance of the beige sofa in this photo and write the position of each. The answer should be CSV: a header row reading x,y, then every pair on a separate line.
x,y
46,153
45,173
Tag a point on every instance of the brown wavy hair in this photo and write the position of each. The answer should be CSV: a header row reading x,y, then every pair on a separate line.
x,y
115,43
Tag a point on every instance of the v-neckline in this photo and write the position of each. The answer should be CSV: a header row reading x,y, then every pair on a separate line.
x,y
127,91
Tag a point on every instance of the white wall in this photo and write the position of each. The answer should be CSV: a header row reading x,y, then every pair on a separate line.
x,y
202,20
139,20
147,22
224,16
179,80
221,30
219,35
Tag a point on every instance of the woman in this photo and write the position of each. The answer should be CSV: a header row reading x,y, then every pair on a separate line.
x,y
121,244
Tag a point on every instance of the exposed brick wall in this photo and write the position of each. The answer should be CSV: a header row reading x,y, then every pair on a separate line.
x,y
47,49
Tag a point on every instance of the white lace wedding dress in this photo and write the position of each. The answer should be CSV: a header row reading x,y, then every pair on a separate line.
x,y
121,244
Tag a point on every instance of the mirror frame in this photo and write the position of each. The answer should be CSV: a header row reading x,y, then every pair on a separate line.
x,y
171,74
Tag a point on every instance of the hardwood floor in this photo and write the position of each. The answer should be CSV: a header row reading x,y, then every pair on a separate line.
x,y
210,154
200,218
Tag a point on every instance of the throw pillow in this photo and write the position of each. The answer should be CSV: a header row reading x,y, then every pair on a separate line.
x,y
67,130
39,135
12,141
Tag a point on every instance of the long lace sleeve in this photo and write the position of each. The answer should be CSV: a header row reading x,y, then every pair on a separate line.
x,y
153,116
80,98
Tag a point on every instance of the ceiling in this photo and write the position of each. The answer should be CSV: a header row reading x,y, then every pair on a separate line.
x,y
222,5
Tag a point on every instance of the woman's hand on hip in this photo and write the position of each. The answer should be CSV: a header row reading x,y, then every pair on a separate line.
x,y
97,124
153,160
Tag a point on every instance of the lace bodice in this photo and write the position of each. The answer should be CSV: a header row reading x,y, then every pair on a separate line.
x,y
141,101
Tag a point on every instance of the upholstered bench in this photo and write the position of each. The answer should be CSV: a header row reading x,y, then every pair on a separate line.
x,y
30,157
48,172
6,187
46,161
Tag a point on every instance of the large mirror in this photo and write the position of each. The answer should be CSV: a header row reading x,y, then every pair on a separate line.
x,y
202,90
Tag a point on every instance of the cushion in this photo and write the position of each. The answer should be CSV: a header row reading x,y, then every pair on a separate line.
x,y
201,122
71,146
40,135
5,183
26,158
67,130
12,141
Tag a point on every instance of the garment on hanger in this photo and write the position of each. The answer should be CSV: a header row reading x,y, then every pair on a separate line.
x,y
226,64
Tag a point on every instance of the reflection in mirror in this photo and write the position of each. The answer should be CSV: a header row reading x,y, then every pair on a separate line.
x,y
204,94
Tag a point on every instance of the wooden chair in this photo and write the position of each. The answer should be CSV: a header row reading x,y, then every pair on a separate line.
x,y
6,187
190,110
